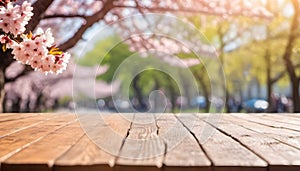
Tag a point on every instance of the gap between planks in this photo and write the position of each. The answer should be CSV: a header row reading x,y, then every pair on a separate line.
x,y
225,152
158,127
91,152
267,122
277,154
286,136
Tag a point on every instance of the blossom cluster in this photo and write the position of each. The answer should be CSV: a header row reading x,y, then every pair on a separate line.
x,y
14,18
37,50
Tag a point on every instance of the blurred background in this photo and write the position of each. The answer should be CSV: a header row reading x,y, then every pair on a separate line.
x,y
254,45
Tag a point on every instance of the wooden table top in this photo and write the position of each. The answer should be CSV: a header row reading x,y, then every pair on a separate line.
x,y
69,142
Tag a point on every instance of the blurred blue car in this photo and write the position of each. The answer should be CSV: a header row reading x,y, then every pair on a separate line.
x,y
199,101
256,105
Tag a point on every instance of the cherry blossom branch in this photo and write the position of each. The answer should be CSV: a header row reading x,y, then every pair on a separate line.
x,y
64,16
25,71
90,20
39,8
37,50
186,10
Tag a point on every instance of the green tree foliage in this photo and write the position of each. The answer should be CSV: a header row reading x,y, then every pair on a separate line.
x,y
249,49
114,55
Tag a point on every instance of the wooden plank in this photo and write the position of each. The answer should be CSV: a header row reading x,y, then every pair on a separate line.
x,y
142,149
183,151
86,154
282,118
9,127
10,116
42,154
293,115
237,144
277,154
224,152
112,132
256,118
286,136
13,143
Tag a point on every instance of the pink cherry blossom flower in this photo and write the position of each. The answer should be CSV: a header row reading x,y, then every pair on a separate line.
x,y
36,50
15,18
9,11
26,10
45,37
36,62
7,41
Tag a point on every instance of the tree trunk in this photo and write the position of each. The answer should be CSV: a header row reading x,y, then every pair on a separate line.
x,y
269,81
172,93
206,91
227,102
138,93
186,88
288,54
5,60
296,98
269,96
2,92
206,95
173,101
258,86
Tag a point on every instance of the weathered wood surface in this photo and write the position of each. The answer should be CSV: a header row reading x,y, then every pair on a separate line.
x,y
114,142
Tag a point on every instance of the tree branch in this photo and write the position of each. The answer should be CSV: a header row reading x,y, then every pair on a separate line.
x,y
26,71
278,77
64,16
186,10
90,20
6,58
39,8
291,41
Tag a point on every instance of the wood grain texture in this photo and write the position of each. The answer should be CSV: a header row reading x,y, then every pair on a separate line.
x,y
15,142
10,117
13,126
293,115
84,155
183,150
42,154
270,149
281,118
167,142
286,136
142,148
88,155
260,119
223,150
